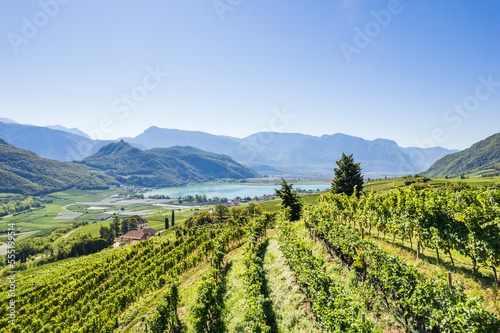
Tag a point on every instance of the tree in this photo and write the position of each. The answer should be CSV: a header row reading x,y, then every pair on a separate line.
x,y
203,218
124,227
166,222
290,199
115,225
107,234
253,209
236,212
173,217
348,177
128,224
221,211
132,224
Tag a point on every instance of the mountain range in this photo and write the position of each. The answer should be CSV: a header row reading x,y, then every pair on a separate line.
x,y
265,152
50,143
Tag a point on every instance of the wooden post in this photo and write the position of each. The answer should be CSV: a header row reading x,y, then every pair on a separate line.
x,y
459,200
492,201
362,233
363,317
418,250
449,280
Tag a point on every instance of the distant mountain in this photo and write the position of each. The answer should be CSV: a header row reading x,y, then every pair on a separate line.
x,y
49,143
8,121
155,137
297,153
73,130
268,152
25,172
164,166
482,157
377,156
423,158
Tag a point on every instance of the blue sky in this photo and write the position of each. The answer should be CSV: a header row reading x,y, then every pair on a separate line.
x,y
422,73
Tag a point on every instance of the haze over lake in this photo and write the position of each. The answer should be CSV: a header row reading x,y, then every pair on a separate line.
x,y
230,191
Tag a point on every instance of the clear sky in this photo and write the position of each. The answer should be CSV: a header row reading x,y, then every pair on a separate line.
x,y
420,72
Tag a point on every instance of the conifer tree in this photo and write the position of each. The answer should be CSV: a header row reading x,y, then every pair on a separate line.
x,y
348,176
290,199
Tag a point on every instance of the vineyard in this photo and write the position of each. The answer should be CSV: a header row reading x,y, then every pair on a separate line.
x,y
264,273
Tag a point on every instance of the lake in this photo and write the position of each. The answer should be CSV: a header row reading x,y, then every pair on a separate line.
x,y
230,191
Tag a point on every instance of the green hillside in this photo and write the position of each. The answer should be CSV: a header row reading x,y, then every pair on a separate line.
x,y
164,166
25,172
482,158
268,274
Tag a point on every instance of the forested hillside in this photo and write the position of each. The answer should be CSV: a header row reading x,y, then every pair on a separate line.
x,y
482,158
22,171
164,166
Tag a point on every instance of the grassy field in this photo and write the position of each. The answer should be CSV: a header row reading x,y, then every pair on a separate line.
x,y
288,303
41,220
274,206
479,181
387,184
86,195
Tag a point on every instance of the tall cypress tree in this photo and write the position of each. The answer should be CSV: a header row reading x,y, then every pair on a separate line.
x,y
173,217
166,222
347,176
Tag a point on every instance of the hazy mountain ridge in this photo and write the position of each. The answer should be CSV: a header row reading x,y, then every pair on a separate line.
x,y
301,153
49,143
482,157
73,130
8,121
271,152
